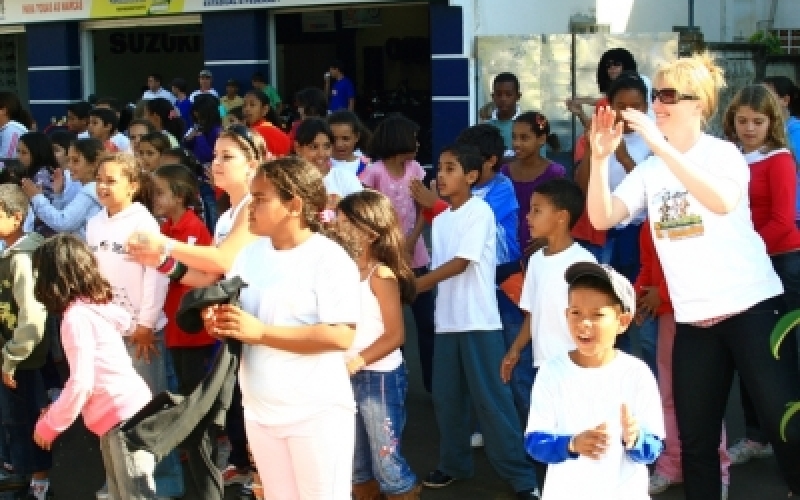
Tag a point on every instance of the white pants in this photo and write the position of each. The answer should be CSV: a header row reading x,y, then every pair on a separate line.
x,y
311,460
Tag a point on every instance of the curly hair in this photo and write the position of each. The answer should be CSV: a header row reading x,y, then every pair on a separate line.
x,y
67,271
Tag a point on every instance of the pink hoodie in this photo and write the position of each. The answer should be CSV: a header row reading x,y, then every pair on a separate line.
x,y
103,385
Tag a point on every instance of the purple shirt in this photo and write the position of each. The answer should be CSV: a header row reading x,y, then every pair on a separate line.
x,y
524,191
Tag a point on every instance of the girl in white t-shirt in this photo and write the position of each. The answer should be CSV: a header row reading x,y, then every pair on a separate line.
x,y
724,290
374,361
349,139
313,142
298,316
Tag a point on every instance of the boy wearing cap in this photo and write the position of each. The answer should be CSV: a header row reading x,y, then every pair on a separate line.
x,y
231,99
204,79
595,412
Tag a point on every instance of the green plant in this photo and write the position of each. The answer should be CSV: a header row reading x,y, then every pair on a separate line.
x,y
772,42
784,327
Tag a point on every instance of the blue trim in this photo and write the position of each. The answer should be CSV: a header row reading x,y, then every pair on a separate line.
x,y
647,449
54,85
447,29
450,77
236,35
449,119
548,448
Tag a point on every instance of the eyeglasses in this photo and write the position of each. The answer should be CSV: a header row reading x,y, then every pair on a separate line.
x,y
245,134
670,96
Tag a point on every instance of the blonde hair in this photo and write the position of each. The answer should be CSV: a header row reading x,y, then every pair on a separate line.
x,y
130,169
761,100
697,75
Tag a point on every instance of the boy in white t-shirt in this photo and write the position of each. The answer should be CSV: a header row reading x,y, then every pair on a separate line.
x,y
556,206
596,414
468,345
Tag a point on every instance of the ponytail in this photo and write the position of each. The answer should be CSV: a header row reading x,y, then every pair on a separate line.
x,y
540,126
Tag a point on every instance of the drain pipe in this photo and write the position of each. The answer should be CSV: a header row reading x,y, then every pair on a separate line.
x,y
691,14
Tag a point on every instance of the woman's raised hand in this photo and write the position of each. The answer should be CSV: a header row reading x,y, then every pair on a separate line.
x,y
604,134
145,248
643,125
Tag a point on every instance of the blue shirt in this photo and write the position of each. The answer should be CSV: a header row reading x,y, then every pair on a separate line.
x,y
341,93
184,107
498,193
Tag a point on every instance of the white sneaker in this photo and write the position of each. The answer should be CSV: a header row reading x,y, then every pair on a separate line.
x,y
745,449
659,484
476,440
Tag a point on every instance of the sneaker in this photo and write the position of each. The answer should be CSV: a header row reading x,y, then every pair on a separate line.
x,y
476,440
235,475
746,449
659,484
437,479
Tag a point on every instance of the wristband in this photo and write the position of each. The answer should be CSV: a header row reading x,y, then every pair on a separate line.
x,y
570,445
166,265
178,272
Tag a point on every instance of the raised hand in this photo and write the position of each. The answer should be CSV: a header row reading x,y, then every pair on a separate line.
x,y
604,134
644,126
58,180
630,427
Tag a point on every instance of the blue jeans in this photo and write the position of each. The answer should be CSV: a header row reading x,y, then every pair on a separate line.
x,y
467,374
648,340
21,409
522,376
381,417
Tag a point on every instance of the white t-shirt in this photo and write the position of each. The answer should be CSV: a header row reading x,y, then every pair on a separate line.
x,y
315,282
225,221
567,400
341,182
160,93
369,329
638,151
199,92
544,296
466,302
714,264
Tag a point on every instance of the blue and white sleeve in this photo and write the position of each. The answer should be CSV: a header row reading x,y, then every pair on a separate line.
x,y
70,218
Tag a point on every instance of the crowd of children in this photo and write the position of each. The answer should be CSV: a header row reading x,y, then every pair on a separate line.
x,y
521,302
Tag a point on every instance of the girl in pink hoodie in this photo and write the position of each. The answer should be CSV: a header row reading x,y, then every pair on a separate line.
x,y
103,385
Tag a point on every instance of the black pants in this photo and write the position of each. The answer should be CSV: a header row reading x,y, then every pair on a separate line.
x,y
704,360
234,427
191,365
423,309
787,266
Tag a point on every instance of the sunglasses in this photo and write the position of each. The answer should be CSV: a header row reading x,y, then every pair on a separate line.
x,y
245,134
670,96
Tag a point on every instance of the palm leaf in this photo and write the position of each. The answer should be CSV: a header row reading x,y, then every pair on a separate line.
x,y
791,409
782,328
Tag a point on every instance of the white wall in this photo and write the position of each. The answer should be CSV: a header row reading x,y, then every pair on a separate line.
x,y
719,20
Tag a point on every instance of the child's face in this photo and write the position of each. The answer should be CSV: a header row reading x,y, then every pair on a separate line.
x,y
24,154
61,155
9,224
628,99
505,96
115,190
165,203
98,130
135,134
318,152
231,90
252,110
148,156
76,124
544,219
344,141
752,128
451,179
230,166
525,142
594,322
268,213
79,168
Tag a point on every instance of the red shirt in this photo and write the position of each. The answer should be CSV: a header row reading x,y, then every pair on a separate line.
x,y
651,273
773,193
188,229
278,143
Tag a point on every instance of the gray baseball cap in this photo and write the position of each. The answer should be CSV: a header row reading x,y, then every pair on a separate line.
x,y
619,284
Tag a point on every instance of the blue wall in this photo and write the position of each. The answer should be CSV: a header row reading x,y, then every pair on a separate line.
x,y
236,46
54,76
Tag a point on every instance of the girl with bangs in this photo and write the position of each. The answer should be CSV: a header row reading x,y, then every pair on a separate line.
x,y
725,292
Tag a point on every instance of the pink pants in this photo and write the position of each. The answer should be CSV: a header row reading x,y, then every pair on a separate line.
x,y
311,460
669,463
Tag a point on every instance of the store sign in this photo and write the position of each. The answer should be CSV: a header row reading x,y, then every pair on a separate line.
x,y
318,21
361,18
153,43
32,11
